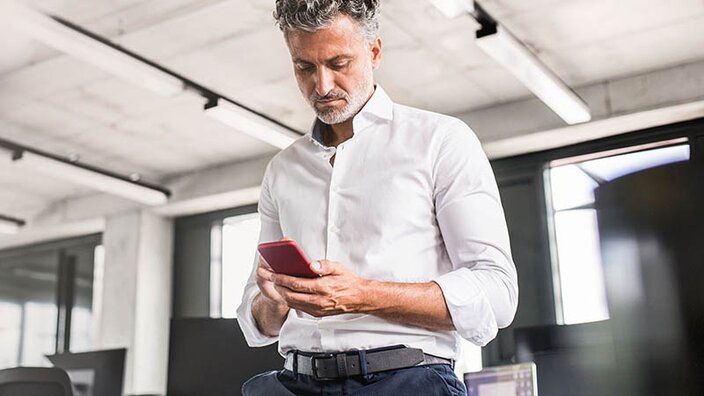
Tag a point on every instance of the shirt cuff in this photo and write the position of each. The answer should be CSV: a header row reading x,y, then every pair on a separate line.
x,y
252,335
469,307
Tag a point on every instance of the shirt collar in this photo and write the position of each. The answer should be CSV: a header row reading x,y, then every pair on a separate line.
x,y
378,107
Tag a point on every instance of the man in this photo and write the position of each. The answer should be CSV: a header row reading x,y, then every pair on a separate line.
x,y
401,208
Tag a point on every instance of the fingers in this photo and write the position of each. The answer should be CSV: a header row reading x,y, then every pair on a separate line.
x,y
320,286
263,263
301,285
265,274
326,267
268,290
310,303
317,267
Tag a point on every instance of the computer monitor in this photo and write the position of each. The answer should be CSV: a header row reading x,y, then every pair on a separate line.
x,y
571,360
210,357
98,373
509,380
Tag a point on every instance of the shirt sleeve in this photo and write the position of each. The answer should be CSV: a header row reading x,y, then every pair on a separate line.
x,y
481,291
270,231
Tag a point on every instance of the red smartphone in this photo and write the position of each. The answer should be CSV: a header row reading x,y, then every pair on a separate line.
x,y
285,257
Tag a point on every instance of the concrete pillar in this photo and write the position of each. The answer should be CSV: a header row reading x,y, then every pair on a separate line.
x,y
136,301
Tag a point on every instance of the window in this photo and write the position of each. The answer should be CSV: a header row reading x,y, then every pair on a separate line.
x,y
39,333
234,243
88,302
10,333
37,283
579,283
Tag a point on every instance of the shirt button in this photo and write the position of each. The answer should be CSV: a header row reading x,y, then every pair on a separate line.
x,y
334,229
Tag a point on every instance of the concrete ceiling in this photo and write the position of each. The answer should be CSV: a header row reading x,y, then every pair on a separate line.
x,y
58,104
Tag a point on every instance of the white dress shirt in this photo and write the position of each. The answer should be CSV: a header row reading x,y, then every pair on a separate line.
x,y
411,198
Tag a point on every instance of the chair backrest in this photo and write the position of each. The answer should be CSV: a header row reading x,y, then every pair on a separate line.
x,y
35,381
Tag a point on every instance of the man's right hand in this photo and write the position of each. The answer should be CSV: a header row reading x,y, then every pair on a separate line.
x,y
266,286
268,308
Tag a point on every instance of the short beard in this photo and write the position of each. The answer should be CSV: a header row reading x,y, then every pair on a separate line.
x,y
333,116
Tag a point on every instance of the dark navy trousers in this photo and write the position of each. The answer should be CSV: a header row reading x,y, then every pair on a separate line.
x,y
431,380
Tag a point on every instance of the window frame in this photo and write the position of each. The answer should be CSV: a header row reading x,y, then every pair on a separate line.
x,y
65,285
552,212
527,170
191,296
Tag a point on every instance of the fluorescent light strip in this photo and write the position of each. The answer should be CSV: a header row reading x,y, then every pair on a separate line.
x,y
93,179
9,225
65,38
6,151
247,122
454,8
514,56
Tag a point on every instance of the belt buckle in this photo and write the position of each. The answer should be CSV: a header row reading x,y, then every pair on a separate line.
x,y
314,365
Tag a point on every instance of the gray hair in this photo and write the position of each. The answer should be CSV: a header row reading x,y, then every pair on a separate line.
x,y
311,15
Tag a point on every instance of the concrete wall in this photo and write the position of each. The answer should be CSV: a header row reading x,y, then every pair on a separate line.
x,y
136,301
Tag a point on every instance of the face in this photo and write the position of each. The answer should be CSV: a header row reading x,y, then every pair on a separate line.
x,y
333,68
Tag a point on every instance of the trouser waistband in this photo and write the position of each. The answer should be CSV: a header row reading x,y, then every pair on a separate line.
x,y
324,366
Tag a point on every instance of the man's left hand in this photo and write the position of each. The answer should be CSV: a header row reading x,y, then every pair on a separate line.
x,y
338,290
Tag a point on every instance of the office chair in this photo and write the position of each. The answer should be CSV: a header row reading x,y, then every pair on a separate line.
x,y
35,381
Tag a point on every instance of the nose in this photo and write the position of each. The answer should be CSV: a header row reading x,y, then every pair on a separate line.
x,y
324,81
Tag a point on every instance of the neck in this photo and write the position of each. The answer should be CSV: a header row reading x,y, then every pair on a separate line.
x,y
338,133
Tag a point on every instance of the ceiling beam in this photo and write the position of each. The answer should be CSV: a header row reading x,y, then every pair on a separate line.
x,y
122,62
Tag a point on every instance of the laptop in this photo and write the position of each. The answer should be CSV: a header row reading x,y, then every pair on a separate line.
x,y
509,380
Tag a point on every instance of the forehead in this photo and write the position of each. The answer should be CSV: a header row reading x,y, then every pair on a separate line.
x,y
342,36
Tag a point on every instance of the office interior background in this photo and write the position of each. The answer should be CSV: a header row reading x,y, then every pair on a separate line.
x,y
134,136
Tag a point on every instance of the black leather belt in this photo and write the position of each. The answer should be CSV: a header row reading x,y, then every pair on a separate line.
x,y
328,366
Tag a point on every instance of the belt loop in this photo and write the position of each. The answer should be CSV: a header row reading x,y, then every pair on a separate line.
x,y
295,362
363,362
341,360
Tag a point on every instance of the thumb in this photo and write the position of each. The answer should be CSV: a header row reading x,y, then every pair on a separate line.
x,y
324,267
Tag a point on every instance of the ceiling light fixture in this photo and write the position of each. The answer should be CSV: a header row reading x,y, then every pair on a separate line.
x,y
250,123
7,151
92,177
84,45
513,55
454,8
508,51
10,225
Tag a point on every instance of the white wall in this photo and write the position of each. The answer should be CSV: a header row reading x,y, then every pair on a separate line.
x,y
136,301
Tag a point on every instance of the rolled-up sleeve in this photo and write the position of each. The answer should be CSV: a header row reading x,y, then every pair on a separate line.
x,y
270,231
481,290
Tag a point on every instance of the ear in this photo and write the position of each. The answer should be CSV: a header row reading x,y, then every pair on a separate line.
x,y
376,53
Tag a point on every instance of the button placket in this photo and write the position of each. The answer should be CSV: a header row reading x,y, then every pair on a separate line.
x,y
332,207
327,152
333,229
